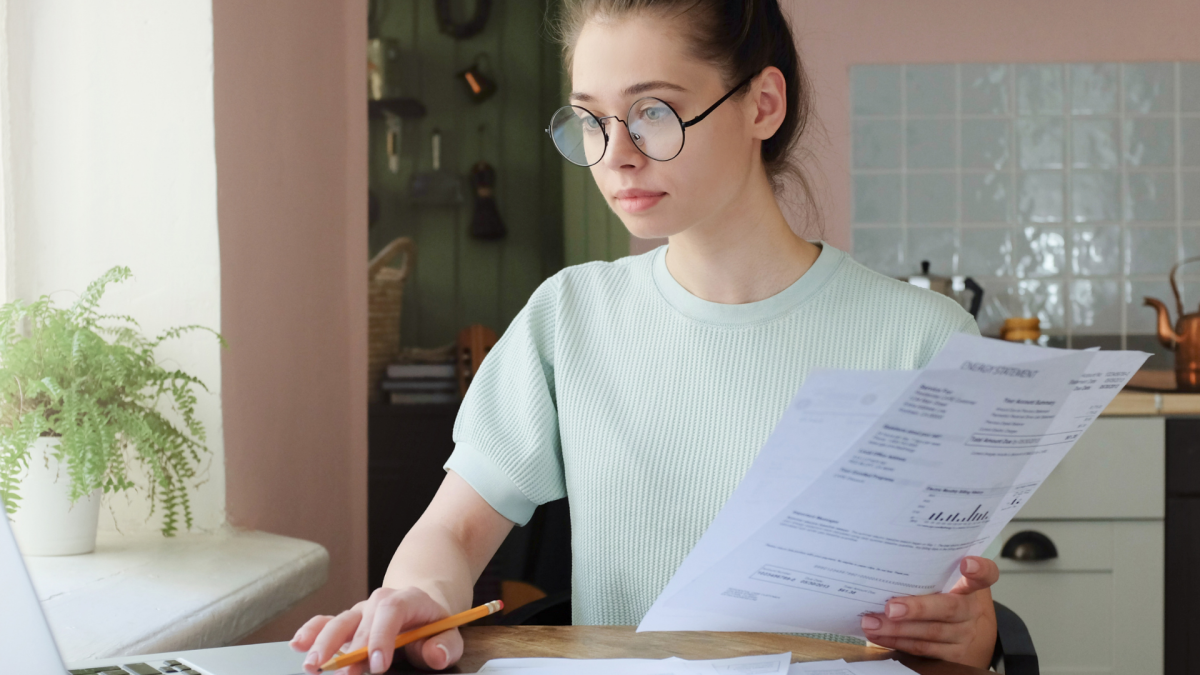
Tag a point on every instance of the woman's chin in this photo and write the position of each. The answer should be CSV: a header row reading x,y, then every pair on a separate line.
x,y
647,228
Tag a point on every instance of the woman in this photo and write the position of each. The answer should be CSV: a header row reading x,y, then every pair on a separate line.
x,y
643,388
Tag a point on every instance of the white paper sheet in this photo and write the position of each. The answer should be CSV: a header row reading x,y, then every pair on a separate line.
x,y
840,667
876,483
883,667
766,664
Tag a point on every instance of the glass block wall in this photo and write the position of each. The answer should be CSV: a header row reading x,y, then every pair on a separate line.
x,y
1066,190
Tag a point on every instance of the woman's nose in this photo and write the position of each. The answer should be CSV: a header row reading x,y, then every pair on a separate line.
x,y
621,149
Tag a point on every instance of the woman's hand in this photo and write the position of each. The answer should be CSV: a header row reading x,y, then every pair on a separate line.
x,y
375,623
958,626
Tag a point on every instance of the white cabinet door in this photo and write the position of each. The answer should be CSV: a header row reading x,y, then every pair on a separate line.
x,y
1117,470
1098,607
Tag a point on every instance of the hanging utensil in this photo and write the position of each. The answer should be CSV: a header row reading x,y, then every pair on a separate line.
x,y
485,221
439,187
479,86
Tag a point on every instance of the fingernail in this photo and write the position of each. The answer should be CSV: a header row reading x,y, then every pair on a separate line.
x,y
311,659
871,623
446,653
376,661
972,566
896,610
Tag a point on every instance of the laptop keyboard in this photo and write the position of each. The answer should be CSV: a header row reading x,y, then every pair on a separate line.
x,y
156,668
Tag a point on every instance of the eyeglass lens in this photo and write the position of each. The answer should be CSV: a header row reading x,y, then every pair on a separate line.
x,y
654,127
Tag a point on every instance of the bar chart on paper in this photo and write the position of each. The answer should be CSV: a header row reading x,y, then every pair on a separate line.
x,y
944,507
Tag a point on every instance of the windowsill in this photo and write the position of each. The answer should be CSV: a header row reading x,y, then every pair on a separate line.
x,y
146,593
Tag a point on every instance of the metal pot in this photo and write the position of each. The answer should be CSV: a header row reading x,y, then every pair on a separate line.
x,y
949,286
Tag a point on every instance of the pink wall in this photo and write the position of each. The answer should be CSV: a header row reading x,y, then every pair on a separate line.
x,y
291,134
835,34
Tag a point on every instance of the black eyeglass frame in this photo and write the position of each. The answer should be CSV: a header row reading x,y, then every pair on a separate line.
x,y
683,125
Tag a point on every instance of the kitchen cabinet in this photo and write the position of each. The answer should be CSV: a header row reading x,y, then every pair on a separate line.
x,y
1098,605
1183,545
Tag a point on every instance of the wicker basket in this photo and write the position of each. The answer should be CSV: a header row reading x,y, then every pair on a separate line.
x,y
385,293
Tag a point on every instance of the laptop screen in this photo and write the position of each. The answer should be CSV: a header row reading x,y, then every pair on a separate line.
x,y
25,638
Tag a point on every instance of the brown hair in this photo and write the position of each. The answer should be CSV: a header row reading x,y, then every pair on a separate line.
x,y
740,38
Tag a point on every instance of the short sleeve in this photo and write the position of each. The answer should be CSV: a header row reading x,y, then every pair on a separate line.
x,y
506,442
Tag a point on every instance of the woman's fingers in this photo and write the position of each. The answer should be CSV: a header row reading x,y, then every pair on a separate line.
x,y
935,607
374,624
307,634
934,650
395,612
930,631
436,652
442,650
337,632
978,574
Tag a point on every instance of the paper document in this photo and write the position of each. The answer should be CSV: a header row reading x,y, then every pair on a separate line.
x,y
769,664
875,484
840,667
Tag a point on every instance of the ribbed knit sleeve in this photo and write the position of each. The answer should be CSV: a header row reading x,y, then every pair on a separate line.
x,y
506,433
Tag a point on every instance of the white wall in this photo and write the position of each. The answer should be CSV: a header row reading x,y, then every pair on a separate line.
x,y
113,163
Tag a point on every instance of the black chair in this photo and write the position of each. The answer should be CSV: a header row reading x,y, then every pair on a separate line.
x,y
548,554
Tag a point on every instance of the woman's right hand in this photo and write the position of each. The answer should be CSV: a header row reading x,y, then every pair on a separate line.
x,y
375,623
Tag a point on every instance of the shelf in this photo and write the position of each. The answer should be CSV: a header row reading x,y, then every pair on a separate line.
x,y
405,108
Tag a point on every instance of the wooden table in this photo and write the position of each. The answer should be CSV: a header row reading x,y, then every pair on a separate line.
x,y
610,642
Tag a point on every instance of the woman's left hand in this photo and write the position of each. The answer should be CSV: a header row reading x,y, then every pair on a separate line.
x,y
958,626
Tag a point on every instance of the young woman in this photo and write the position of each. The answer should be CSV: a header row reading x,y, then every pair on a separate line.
x,y
643,388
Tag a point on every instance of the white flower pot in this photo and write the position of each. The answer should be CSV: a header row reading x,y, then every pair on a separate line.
x,y
46,522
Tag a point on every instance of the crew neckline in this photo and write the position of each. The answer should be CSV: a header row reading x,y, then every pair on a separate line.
x,y
749,312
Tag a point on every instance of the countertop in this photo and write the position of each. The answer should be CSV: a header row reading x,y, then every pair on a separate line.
x,y
148,593
1153,403
1151,392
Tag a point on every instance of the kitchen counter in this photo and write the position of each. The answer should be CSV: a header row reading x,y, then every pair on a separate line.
x,y
148,593
1153,403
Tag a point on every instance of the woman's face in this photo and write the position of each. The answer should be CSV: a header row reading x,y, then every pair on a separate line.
x,y
618,62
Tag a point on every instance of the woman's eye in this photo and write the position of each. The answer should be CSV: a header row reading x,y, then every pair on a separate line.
x,y
590,124
655,113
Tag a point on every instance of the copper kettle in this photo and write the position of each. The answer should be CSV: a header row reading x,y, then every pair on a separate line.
x,y
1184,340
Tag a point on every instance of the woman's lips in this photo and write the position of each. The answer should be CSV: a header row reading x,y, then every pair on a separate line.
x,y
638,200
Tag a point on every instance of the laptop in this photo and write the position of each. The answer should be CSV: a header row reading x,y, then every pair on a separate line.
x,y
28,645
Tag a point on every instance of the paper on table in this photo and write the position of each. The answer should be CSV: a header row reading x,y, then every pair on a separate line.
x,y
840,667
766,664
878,463
883,667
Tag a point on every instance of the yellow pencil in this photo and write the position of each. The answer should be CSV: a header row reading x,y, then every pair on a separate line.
x,y
343,660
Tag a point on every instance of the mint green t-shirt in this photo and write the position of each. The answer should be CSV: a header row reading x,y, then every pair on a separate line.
x,y
645,404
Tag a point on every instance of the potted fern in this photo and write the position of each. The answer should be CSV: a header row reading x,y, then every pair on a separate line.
x,y
82,401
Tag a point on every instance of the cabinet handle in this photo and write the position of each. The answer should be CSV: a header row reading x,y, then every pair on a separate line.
x,y
1029,546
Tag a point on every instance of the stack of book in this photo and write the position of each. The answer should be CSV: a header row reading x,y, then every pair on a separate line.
x,y
421,383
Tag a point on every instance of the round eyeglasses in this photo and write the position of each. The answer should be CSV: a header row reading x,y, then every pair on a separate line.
x,y
653,125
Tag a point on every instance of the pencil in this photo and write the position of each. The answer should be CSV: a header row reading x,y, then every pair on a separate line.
x,y
343,660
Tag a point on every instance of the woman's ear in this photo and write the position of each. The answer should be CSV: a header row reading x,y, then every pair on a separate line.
x,y
768,96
